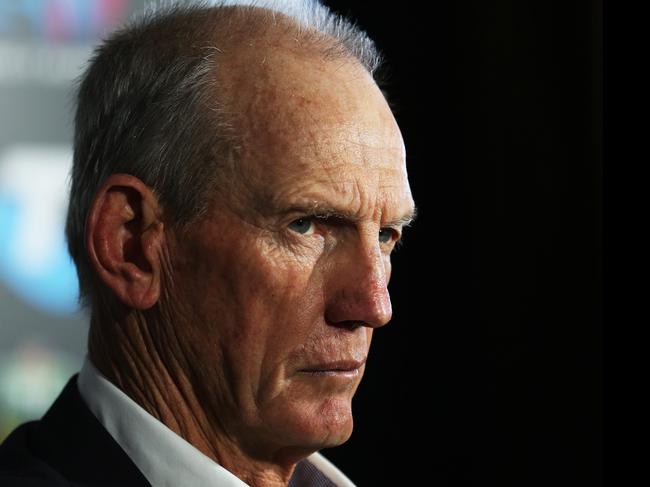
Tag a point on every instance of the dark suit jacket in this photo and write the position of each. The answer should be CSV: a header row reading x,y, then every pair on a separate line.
x,y
67,447
70,447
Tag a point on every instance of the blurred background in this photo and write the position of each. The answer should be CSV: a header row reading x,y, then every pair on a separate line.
x,y
44,45
491,370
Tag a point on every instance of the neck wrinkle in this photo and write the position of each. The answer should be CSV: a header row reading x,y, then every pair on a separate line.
x,y
126,353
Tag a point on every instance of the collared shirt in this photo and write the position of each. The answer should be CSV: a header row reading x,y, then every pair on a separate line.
x,y
166,459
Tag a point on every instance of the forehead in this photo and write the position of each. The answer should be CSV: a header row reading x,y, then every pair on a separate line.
x,y
316,126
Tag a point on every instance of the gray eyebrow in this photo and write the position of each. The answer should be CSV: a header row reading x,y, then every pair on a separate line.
x,y
405,220
326,211
323,211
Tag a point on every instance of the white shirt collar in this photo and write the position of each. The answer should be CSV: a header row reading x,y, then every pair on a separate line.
x,y
164,458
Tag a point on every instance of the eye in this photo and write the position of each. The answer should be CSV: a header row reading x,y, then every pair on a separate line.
x,y
385,235
304,226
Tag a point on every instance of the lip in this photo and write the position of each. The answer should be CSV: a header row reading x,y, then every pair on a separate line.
x,y
335,367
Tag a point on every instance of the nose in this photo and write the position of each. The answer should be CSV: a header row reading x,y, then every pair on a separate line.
x,y
358,289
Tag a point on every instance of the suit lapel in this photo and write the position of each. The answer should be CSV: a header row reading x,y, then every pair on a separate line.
x,y
74,443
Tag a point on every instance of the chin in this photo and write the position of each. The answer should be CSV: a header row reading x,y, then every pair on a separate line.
x,y
306,427
332,422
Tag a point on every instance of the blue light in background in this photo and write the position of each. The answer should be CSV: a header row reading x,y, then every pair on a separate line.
x,y
34,261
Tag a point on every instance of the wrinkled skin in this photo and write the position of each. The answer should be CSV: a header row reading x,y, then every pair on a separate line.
x,y
280,286
275,297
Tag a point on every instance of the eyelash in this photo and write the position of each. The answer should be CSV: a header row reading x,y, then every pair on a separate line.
x,y
397,238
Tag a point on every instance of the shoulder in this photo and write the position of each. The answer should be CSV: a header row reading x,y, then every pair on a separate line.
x,y
20,467
67,447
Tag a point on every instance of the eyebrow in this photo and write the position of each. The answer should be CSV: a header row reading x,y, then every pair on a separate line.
x,y
405,220
321,210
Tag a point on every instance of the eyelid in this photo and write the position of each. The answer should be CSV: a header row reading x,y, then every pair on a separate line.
x,y
305,219
395,237
397,231
334,218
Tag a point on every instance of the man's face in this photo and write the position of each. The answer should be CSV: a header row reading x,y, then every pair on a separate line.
x,y
285,279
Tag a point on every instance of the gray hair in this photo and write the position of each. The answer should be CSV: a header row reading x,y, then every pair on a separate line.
x,y
146,106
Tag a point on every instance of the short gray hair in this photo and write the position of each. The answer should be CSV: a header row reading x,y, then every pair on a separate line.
x,y
146,106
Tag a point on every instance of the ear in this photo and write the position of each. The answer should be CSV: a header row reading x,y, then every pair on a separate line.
x,y
124,238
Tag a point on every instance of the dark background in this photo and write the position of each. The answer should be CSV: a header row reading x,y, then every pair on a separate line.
x,y
490,373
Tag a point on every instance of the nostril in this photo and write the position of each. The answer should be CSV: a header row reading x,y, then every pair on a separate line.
x,y
350,324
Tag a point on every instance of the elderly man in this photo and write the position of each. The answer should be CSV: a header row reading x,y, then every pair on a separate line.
x,y
239,184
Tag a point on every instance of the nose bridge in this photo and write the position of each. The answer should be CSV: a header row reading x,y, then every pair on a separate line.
x,y
373,260
360,286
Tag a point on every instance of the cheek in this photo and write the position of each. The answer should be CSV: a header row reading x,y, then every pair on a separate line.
x,y
279,295
258,296
274,303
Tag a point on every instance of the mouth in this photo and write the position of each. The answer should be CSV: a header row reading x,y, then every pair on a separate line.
x,y
345,368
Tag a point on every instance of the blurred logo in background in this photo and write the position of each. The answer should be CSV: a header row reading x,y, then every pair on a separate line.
x,y
60,20
48,41
34,260
44,46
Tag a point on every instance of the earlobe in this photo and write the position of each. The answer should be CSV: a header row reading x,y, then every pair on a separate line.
x,y
124,239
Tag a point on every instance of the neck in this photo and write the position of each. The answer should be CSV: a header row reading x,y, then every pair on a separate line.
x,y
129,355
